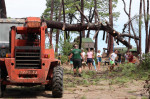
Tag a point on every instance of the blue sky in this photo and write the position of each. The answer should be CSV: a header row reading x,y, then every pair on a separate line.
x,y
27,8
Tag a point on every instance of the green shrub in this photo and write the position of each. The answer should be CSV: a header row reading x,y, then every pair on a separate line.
x,y
64,59
145,64
128,69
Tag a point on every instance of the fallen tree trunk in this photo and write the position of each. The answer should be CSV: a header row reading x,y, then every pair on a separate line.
x,y
72,27
91,26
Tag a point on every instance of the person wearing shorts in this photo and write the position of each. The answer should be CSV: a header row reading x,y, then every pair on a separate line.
x,y
112,60
76,54
99,59
89,59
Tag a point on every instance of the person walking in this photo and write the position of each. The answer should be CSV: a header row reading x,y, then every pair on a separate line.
x,y
112,60
76,54
94,60
99,59
89,59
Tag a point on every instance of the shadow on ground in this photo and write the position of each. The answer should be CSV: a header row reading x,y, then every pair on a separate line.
x,y
26,92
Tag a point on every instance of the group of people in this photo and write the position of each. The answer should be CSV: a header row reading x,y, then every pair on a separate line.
x,y
89,58
78,58
129,57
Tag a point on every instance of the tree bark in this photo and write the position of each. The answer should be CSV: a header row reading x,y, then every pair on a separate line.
x,y
90,20
57,32
82,17
82,33
140,27
110,42
64,16
130,23
149,39
129,15
146,26
51,18
3,13
149,25
135,39
130,18
96,39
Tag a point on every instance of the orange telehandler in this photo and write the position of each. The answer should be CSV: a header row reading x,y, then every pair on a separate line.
x,y
29,62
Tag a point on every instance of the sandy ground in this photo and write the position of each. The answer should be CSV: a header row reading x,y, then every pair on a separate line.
x,y
130,90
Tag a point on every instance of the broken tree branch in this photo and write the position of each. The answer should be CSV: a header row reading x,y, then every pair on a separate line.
x,y
92,26
82,13
130,36
96,33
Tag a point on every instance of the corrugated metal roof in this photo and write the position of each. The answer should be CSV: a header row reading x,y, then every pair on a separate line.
x,y
87,40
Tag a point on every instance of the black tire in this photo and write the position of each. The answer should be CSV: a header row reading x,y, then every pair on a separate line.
x,y
57,82
1,86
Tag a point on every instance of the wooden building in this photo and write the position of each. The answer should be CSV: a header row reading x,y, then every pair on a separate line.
x,y
87,43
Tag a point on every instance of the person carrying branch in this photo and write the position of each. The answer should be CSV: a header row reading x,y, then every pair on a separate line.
x,y
112,60
76,54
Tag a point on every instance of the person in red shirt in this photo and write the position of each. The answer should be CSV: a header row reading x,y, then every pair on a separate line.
x,y
130,57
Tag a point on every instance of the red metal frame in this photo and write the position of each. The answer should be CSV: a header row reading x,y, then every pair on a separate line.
x,y
35,76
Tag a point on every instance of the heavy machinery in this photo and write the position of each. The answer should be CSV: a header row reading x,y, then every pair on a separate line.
x,y
29,62
4,36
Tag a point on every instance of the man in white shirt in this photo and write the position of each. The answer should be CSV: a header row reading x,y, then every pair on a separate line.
x,y
112,59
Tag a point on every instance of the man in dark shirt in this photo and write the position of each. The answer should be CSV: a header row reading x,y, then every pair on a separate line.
x,y
76,54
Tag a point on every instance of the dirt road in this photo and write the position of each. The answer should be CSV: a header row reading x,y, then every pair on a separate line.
x,y
102,90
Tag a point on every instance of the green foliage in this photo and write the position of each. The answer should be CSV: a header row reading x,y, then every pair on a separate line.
x,y
119,80
65,46
128,69
145,64
71,11
64,59
127,72
88,78
47,11
83,97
